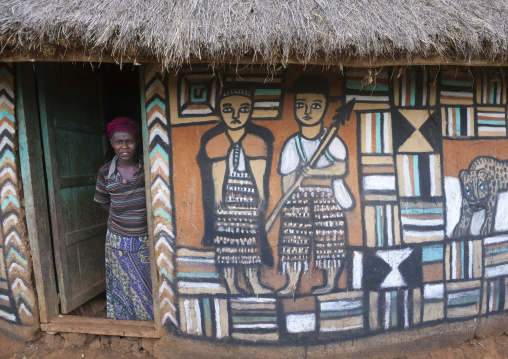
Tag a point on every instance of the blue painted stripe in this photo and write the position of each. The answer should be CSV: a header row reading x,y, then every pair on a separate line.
x,y
197,275
5,72
393,309
457,83
300,150
264,92
413,88
342,313
7,114
422,211
473,298
496,251
168,276
358,85
462,274
378,133
20,293
379,226
10,199
208,316
13,251
163,213
432,253
254,319
492,93
457,121
158,148
492,122
157,101
416,175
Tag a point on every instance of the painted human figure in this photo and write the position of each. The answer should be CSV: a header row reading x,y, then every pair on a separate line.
x,y
313,220
235,159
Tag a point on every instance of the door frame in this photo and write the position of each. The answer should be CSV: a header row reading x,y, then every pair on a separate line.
x,y
38,225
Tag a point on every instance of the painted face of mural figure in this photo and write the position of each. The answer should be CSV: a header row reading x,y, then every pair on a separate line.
x,y
310,108
235,111
125,144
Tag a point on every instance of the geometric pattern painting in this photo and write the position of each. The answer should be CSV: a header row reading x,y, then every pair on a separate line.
x,y
17,298
159,147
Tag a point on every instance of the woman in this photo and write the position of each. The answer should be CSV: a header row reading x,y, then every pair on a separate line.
x,y
121,191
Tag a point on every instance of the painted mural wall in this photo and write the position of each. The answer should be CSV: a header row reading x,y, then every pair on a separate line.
x,y
18,305
295,219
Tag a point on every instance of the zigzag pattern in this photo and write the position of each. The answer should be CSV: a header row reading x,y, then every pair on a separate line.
x,y
18,289
159,146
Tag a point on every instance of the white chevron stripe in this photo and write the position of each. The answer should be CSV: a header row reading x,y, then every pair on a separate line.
x,y
166,301
7,102
9,171
157,131
7,188
156,115
151,74
13,236
11,217
22,308
161,186
6,141
165,287
8,127
19,283
162,165
162,197
167,316
7,316
15,265
163,242
155,85
163,259
7,87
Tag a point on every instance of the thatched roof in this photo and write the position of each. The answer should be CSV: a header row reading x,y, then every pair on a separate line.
x,y
268,31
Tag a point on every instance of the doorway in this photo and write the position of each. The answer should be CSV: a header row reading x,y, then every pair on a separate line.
x,y
75,102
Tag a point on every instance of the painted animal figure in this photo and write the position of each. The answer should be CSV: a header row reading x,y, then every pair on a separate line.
x,y
481,183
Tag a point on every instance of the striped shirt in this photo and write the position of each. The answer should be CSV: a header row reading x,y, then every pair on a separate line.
x,y
127,210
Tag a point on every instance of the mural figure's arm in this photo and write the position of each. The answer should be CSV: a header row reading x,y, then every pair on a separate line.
x,y
218,174
258,167
288,181
337,169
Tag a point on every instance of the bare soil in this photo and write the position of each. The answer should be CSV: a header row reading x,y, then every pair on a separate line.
x,y
86,346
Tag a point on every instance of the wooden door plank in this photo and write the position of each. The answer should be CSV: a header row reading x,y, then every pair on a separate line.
x,y
101,326
34,187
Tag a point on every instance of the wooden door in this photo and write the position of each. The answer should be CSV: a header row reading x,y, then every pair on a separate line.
x,y
74,146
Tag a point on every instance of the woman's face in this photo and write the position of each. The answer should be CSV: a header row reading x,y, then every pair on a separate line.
x,y
310,108
125,144
235,111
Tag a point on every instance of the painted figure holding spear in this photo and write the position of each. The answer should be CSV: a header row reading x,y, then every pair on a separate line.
x,y
313,165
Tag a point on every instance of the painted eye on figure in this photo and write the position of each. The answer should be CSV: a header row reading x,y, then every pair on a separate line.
x,y
227,110
316,106
481,186
299,105
244,109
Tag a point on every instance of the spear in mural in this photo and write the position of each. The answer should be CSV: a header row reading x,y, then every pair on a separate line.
x,y
343,114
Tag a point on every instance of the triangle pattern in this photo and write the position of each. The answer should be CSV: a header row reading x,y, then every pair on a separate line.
x,y
416,141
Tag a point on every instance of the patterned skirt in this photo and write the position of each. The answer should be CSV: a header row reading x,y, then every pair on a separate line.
x,y
237,224
128,281
312,220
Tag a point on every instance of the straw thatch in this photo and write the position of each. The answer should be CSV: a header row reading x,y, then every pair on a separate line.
x,y
268,31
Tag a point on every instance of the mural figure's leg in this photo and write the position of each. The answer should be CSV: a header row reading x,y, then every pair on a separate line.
x,y
331,280
230,277
292,283
253,277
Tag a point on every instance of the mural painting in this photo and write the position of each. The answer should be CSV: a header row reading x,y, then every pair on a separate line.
x,y
18,305
389,221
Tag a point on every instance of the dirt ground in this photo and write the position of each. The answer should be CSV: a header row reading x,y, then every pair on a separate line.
x,y
81,346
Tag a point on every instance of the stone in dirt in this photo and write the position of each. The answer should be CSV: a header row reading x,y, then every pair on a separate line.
x,y
147,344
75,339
105,342
95,344
121,345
